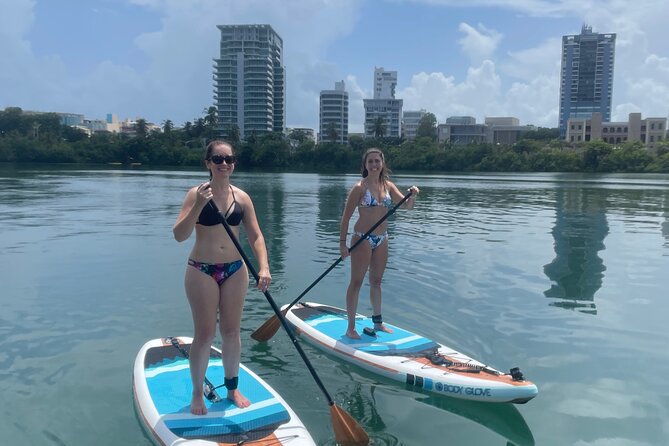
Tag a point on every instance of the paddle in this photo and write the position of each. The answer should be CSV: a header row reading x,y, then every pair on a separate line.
x,y
209,390
346,430
271,325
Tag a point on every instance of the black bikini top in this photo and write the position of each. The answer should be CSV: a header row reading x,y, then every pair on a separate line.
x,y
210,217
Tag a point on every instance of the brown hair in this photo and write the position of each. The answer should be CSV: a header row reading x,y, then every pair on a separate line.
x,y
385,170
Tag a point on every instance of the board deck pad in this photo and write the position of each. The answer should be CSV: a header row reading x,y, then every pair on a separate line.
x,y
408,357
169,383
332,322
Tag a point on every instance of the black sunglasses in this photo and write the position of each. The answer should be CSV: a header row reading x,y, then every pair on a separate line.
x,y
218,159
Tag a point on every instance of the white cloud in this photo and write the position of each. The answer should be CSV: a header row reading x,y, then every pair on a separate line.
x,y
176,80
481,95
444,97
528,63
478,44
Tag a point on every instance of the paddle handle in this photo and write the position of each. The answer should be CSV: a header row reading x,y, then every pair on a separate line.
x,y
272,303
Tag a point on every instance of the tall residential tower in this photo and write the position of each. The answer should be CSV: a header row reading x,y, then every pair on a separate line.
x,y
384,112
250,80
586,78
334,115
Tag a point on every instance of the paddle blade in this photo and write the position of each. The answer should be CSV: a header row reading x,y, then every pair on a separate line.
x,y
347,431
268,329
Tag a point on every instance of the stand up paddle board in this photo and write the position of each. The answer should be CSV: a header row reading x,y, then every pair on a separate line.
x,y
162,393
408,357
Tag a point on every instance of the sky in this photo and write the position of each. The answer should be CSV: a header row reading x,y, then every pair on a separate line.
x,y
154,58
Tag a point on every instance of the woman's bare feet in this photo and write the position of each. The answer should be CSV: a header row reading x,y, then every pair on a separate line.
x,y
197,406
352,334
240,400
382,327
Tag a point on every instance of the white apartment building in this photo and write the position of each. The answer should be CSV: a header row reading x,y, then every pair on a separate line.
x,y
384,106
250,80
334,114
410,121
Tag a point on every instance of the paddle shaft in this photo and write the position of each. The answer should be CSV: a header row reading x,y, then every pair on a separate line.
x,y
353,246
272,303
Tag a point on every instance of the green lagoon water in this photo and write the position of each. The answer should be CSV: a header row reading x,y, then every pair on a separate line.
x,y
565,276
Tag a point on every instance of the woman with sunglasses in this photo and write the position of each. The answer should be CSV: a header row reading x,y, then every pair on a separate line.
x,y
216,277
372,195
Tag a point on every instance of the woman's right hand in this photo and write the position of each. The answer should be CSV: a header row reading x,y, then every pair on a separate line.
x,y
204,194
343,250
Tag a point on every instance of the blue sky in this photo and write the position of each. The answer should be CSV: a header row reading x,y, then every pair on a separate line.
x,y
153,58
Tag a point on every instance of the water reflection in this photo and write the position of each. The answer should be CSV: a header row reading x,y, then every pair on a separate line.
x,y
665,223
579,232
502,419
331,199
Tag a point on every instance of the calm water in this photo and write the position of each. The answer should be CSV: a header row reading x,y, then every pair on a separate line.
x,y
564,276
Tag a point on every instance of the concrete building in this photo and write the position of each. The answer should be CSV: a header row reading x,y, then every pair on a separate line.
x,y
384,83
649,131
586,77
250,80
384,106
461,130
506,131
410,121
334,114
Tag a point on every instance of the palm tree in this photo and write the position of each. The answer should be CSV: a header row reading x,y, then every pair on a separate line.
x,y
141,127
379,127
168,125
210,121
331,132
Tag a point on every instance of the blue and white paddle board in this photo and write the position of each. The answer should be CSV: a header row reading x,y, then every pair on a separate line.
x,y
162,392
408,357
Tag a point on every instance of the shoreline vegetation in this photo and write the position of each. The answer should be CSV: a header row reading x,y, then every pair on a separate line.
x,y
40,138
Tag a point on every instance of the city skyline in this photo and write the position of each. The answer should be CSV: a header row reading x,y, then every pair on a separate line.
x,y
153,58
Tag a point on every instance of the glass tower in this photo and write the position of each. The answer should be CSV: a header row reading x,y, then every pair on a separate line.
x,y
586,78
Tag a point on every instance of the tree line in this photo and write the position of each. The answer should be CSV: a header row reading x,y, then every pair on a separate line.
x,y
30,138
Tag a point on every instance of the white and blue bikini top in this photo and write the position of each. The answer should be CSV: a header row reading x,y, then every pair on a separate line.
x,y
368,200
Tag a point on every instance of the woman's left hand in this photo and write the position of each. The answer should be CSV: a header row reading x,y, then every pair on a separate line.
x,y
264,280
414,190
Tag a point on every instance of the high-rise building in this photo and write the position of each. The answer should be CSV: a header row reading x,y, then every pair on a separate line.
x,y
586,78
410,121
384,109
384,83
250,80
334,115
